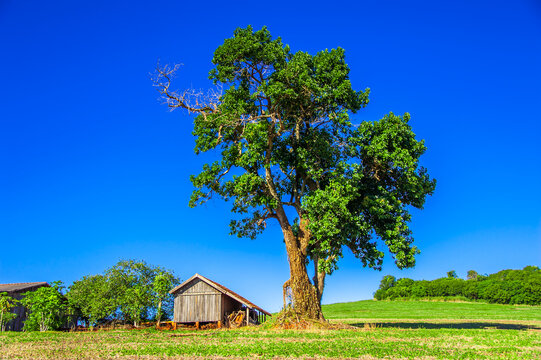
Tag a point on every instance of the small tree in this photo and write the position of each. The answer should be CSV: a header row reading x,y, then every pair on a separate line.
x,y
46,308
452,274
131,284
163,282
387,282
133,289
472,275
91,297
6,304
137,301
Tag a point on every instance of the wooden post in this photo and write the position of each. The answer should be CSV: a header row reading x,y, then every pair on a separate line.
x,y
247,316
219,324
197,325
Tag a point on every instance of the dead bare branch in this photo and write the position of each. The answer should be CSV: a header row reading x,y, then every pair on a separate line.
x,y
194,101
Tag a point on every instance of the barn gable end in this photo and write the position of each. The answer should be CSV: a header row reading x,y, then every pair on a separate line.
x,y
197,301
196,286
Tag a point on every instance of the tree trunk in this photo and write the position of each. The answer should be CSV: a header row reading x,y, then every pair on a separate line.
x,y
159,313
319,279
305,301
304,294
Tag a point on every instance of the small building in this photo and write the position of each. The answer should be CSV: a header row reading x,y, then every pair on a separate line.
x,y
16,291
199,300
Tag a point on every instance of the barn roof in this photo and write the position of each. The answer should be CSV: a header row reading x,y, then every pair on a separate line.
x,y
223,290
21,286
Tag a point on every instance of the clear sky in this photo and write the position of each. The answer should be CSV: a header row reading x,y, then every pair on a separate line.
x,y
94,169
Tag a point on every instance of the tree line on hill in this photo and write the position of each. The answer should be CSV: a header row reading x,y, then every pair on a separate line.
x,y
129,292
504,287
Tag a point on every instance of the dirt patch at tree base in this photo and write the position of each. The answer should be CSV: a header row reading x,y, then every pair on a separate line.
x,y
288,319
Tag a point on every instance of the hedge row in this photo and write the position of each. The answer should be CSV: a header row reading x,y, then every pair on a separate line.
x,y
504,287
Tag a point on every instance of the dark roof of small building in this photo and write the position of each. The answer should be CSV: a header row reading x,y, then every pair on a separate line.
x,y
21,286
223,290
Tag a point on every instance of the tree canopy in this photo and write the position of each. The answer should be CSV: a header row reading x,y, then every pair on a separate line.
x,y
129,291
281,124
504,287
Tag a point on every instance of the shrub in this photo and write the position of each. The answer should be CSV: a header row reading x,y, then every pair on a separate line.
x,y
504,287
6,304
46,308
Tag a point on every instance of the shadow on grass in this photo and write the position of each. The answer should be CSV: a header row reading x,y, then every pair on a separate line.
x,y
465,325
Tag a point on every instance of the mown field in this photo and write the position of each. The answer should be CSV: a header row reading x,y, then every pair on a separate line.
x,y
369,310
390,330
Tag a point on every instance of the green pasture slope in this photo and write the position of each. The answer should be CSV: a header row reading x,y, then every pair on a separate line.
x,y
381,330
369,310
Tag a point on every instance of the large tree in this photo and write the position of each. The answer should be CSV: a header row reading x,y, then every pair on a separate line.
x,y
288,151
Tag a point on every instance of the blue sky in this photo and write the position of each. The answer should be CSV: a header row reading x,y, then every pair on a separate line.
x,y
94,169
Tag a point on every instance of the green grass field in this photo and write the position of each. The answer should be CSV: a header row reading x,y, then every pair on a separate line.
x,y
431,310
390,330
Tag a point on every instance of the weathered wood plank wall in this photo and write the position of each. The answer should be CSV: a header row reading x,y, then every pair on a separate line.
x,y
198,302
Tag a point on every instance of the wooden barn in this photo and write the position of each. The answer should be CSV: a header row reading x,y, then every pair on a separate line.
x,y
16,291
201,300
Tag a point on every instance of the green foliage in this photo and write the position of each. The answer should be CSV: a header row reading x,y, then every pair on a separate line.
x,y
387,282
92,299
6,304
472,275
131,284
284,137
162,284
46,308
130,291
504,287
452,274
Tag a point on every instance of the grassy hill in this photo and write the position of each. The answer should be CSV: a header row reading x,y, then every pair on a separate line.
x,y
430,310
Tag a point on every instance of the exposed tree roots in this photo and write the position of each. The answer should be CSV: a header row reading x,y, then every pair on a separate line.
x,y
288,318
